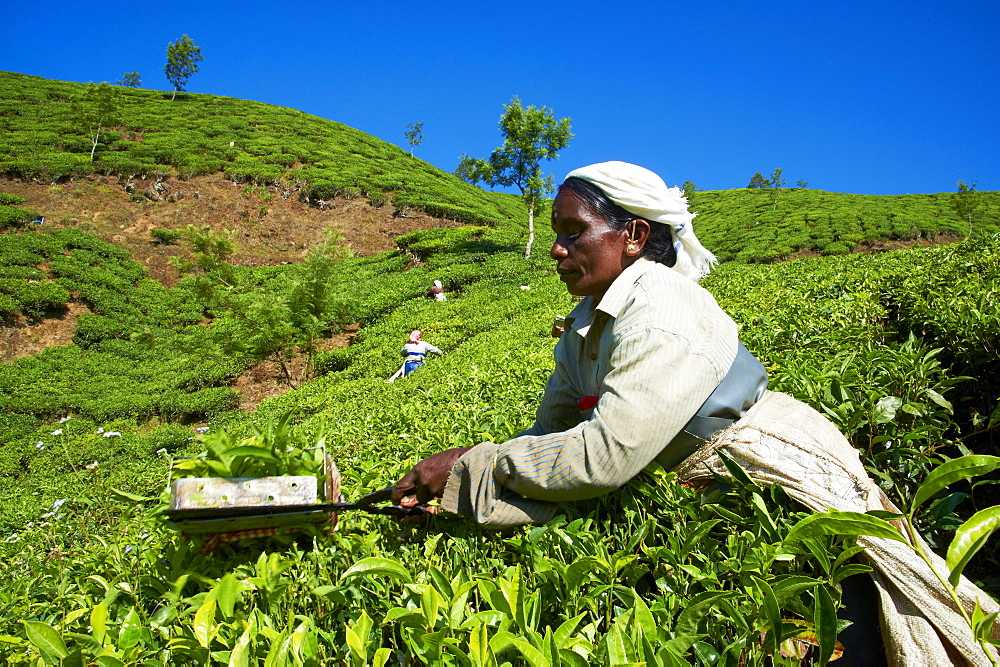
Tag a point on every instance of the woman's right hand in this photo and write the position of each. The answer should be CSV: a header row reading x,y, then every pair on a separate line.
x,y
426,480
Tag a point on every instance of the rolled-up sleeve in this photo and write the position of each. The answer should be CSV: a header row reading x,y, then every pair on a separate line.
x,y
650,378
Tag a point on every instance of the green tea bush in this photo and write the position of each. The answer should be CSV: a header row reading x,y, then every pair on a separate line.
x,y
329,361
171,437
196,405
11,216
11,200
165,236
33,298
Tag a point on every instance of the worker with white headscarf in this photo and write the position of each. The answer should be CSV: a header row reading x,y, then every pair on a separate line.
x,y
649,368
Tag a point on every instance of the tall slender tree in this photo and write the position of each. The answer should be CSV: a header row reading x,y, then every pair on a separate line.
x,y
414,134
531,134
98,109
182,61
966,202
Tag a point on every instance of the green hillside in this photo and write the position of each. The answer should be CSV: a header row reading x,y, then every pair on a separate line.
x,y
898,348
203,134
755,225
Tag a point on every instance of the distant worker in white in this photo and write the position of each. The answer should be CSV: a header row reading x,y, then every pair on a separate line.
x,y
437,291
415,351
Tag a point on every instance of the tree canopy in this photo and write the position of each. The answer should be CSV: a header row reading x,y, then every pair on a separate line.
x,y
531,134
130,80
182,62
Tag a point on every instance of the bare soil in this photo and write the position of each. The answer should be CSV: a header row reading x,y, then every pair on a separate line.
x,y
272,227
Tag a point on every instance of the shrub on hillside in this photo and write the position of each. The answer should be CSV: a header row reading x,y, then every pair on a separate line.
x,y
11,200
165,236
92,329
331,361
171,437
11,216
202,404
34,298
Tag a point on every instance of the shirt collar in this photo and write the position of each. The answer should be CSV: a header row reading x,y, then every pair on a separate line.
x,y
614,299
581,317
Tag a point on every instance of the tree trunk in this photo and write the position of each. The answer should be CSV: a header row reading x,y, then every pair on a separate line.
x,y
94,147
531,228
173,95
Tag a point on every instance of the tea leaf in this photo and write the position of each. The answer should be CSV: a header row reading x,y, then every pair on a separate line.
x,y
240,655
375,565
969,538
131,630
825,622
204,622
885,409
228,594
696,609
99,622
46,639
843,523
952,471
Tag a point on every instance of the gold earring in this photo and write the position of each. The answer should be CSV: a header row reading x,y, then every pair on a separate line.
x,y
631,248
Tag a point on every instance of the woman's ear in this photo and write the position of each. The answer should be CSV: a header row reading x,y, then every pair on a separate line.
x,y
638,231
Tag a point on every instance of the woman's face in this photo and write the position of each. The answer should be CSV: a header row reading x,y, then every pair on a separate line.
x,y
589,253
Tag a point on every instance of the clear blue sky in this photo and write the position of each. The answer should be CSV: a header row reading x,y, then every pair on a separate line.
x,y
887,97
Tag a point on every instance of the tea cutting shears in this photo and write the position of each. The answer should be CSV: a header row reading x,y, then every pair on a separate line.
x,y
369,503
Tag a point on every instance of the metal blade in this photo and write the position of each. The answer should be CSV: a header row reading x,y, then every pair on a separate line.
x,y
376,496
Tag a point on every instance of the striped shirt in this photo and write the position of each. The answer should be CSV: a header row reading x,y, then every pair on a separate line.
x,y
652,351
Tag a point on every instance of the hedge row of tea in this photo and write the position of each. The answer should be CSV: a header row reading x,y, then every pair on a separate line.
x,y
752,225
249,141
898,349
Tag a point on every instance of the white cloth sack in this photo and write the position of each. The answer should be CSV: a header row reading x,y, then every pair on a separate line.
x,y
784,441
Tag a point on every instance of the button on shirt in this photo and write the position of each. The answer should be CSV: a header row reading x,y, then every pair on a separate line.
x,y
653,350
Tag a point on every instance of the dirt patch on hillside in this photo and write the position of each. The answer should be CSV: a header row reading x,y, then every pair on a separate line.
x,y
267,379
272,226
22,338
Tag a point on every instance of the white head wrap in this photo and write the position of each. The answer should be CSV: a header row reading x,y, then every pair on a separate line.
x,y
643,193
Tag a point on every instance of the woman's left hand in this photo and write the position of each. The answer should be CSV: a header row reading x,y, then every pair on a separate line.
x,y
426,480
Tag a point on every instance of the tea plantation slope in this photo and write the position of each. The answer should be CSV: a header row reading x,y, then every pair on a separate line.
x,y
652,570
753,225
249,141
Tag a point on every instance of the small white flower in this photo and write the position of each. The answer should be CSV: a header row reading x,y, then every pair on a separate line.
x,y
58,431
64,419
161,452
110,434
92,467
100,430
525,286
59,503
11,538
40,445
128,549
201,429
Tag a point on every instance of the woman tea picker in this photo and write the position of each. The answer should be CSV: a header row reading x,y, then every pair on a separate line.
x,y
650,368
